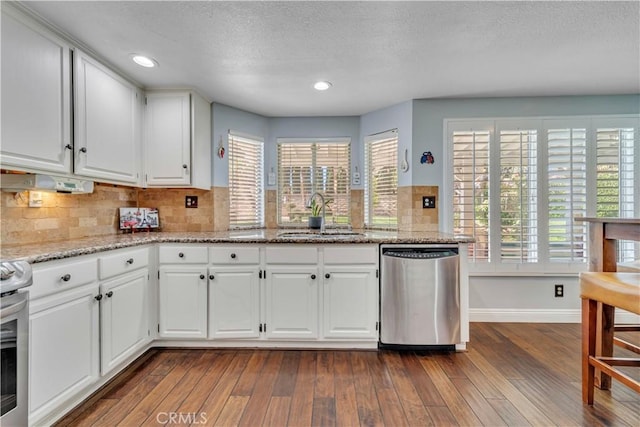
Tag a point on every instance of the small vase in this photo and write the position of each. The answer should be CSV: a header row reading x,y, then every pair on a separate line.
x,y
315,222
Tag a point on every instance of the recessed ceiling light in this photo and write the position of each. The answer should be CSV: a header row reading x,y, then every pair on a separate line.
x,y
144,61
322,85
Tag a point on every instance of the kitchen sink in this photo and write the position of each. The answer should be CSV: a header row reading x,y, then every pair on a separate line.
x,y
320,236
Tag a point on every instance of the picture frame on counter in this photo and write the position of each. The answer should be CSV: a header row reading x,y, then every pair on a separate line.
x,y
132,218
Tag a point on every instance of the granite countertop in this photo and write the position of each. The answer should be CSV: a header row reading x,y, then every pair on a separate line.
x,y
47,251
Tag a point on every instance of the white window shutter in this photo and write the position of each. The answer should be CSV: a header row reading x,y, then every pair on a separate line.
x,y
381,180
246,189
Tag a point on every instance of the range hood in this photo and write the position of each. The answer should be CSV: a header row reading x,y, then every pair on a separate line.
x,y
59,184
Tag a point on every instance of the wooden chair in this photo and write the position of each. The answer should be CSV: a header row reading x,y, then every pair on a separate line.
x,y
611,290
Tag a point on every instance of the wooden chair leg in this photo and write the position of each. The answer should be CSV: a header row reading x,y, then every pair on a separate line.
x,y
589,323
605,347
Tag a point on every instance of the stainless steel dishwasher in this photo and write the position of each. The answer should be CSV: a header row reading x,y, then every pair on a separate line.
x,y
419,295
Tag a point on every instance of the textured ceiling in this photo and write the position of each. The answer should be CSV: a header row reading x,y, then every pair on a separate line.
x,y
263,57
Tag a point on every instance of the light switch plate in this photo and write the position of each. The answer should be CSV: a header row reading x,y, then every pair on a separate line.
x,y
35,199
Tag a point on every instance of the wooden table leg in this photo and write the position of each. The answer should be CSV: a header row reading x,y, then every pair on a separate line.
x,y
602,257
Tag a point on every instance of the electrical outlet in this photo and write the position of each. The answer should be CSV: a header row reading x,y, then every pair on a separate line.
x,y
559,291
191,201
428,202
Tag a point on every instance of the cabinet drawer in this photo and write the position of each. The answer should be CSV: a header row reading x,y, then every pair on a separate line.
x,y
183,254
61,276
296,254
336,254
235,255
122,262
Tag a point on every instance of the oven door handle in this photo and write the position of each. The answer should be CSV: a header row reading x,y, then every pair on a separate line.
x,y
13,308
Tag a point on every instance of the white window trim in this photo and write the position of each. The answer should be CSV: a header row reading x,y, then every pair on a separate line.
x,y
493,124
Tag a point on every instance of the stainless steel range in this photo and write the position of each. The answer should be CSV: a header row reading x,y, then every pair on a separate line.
x,y
14,346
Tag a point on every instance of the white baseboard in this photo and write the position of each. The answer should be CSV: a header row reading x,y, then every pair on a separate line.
x,y
517,315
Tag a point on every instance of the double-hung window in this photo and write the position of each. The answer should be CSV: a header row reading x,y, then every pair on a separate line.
x,y
246,189
517,186
381,180
307,166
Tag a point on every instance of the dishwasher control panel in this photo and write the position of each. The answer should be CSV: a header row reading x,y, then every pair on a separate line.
x,y
419,253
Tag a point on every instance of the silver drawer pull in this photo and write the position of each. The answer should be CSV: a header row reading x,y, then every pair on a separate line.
x,y
66,278
130,261
181,255
233,256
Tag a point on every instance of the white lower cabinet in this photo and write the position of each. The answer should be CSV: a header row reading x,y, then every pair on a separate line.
x,y
63,347
292,302
234,301
82,328
350,302
183,302
123,318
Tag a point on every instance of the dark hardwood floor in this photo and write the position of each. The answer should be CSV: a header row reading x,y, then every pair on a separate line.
x,y
512,374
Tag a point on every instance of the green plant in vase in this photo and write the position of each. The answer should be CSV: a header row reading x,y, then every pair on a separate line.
x,y
315,219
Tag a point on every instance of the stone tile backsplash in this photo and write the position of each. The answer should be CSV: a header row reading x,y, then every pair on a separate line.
x,y
66,216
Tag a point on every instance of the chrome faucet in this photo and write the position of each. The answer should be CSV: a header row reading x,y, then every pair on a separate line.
x,y
322,200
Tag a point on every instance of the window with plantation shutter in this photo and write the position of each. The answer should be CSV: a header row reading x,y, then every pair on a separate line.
x,y
309,166
567,194
615,183
519,193
381,180
471,189
246,189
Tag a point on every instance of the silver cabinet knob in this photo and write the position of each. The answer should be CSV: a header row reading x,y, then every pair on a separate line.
x,y
66,278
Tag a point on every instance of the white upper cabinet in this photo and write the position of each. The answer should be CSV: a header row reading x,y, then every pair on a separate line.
x,y
107,123
36,90
177,140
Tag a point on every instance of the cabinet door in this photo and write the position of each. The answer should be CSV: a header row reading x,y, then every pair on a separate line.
x,y
63,348
168,139
350,302
234,302
183,302
107,108
36,108
292,302
123,318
